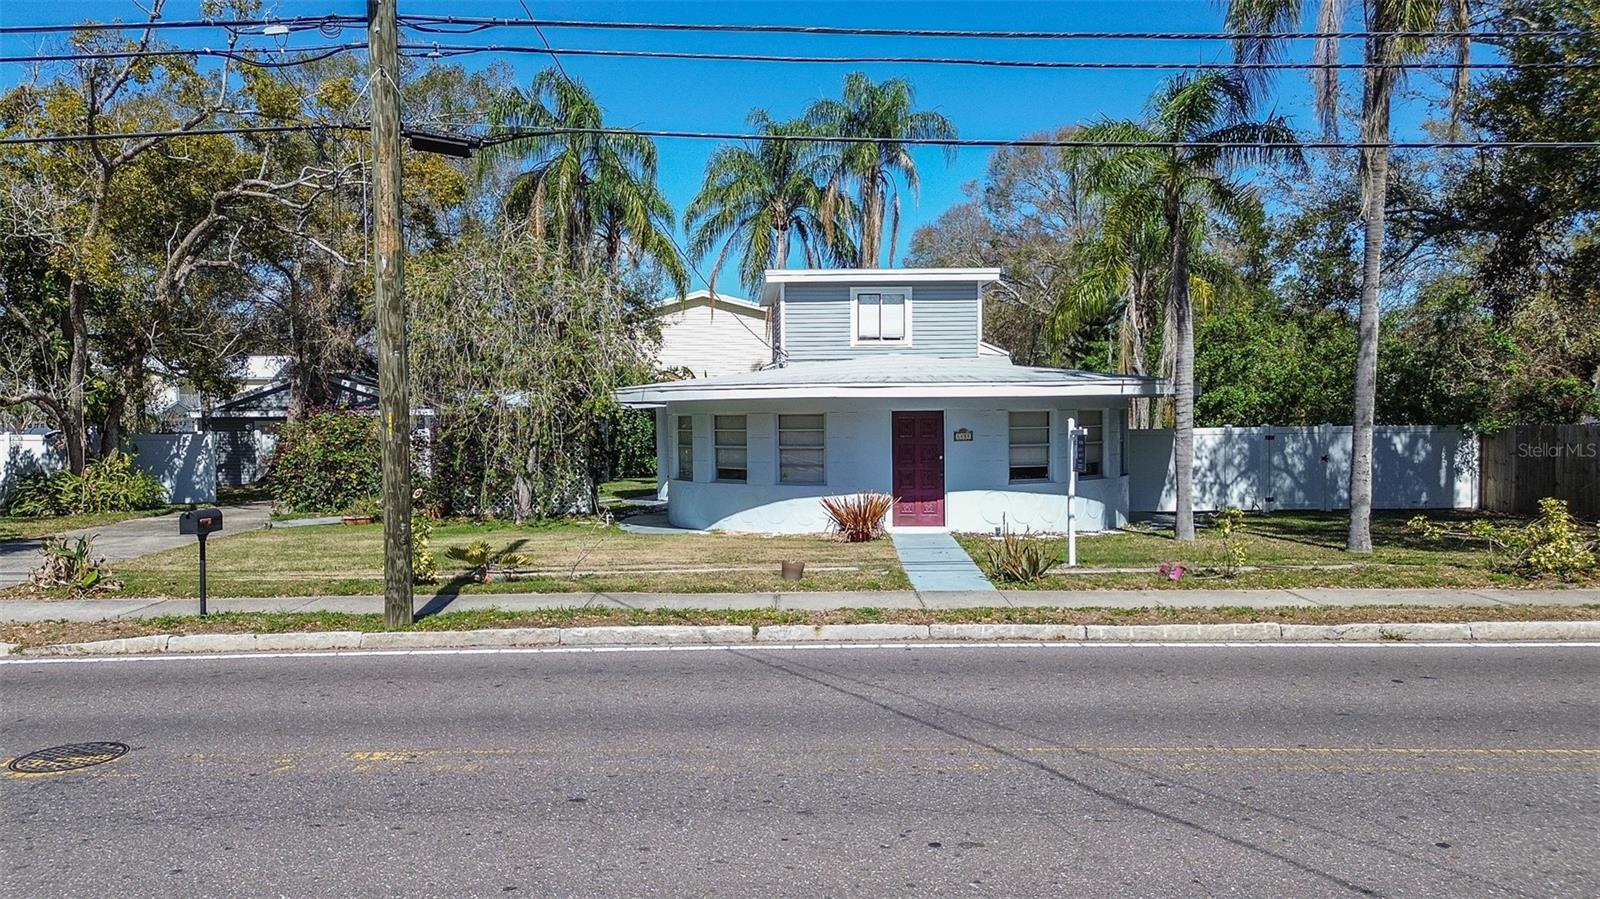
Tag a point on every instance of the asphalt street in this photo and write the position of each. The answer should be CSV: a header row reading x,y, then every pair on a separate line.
x,y
1395,770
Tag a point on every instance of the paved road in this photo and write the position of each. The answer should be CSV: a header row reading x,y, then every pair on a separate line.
x,y
1059,771
19,610
128,539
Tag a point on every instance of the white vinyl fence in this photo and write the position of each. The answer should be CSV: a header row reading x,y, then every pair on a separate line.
x,y
186,464
1269,468
22,455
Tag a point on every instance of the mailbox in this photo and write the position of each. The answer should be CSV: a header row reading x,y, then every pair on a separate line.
x,y
200,522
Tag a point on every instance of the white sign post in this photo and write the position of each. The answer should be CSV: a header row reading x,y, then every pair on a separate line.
x,y
1074,465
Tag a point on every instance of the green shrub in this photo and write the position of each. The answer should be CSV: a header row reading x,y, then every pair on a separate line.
x,y
631,444
1551,545
424,567
1018,559
1229,522
107,485
327,463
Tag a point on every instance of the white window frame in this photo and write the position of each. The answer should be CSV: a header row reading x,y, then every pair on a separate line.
x,y
717,448
855,307
1078,417
778,455
1049,446
679,446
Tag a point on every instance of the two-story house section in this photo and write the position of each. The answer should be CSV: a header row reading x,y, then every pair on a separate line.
x,y
881,382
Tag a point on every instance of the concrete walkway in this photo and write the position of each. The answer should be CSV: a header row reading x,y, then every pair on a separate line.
x,y
128,539
20,610
936,562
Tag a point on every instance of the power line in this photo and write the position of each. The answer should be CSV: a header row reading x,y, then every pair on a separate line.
x,y
305,55
473,24
439,51
1026,142
193,132
446,51
1062,143
293,23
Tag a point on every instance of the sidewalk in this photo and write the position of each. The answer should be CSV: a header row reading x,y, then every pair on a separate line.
x,y
20,611
128,539
936,562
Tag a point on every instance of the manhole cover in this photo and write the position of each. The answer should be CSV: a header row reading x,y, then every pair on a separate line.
x,y
68,758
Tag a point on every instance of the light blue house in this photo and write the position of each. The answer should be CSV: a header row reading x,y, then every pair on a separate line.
x,y
880,381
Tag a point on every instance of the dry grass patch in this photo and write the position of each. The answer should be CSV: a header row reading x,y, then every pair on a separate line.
x,y
46,632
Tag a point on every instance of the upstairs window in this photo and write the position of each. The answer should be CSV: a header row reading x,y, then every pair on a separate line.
x,y
685,447
801,449
882,316
1030,446
730,447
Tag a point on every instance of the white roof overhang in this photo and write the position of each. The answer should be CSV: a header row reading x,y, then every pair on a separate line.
x,y
687,391
777,277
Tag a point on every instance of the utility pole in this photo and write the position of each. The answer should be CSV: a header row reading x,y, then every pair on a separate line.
x,y
394,400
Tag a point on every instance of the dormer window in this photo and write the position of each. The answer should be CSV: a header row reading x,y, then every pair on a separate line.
x,y
881,315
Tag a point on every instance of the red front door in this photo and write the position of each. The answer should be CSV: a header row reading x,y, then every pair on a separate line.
x,y
919,468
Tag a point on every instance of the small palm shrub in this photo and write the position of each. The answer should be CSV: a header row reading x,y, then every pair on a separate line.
x,y
481,559
860,517
106,485
71,564
1019,559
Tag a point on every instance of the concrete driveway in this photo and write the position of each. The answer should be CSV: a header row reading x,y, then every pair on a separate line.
x,y
128,539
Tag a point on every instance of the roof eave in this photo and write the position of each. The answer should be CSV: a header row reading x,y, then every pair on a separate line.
x,y
685,392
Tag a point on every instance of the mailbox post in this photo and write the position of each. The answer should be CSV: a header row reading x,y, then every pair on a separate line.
x,y
200,523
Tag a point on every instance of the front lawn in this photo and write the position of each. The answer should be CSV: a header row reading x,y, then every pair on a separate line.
x,y
14,528
1287,550
564,556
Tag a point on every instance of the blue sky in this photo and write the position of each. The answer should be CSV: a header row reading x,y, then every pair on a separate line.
x,y
710,95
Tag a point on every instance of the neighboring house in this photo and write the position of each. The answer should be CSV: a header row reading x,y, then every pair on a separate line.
x,y
713,335
247,425
885,385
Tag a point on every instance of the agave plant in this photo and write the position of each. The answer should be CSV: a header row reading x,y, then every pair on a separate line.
x,y
859,518
1018,558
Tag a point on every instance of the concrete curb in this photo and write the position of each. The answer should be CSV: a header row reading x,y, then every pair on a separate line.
x,y
723,635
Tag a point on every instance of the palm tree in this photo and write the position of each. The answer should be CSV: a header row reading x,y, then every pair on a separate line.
x,y
1202,125
586,189
1259,22
760,197
884,115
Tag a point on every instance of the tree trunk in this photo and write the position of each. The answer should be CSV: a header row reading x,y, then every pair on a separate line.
x,y
74,418
871,223
781,238
1374,202
1183,374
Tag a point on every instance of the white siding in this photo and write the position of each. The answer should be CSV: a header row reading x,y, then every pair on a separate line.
x,y
978,492
816,317
713,342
